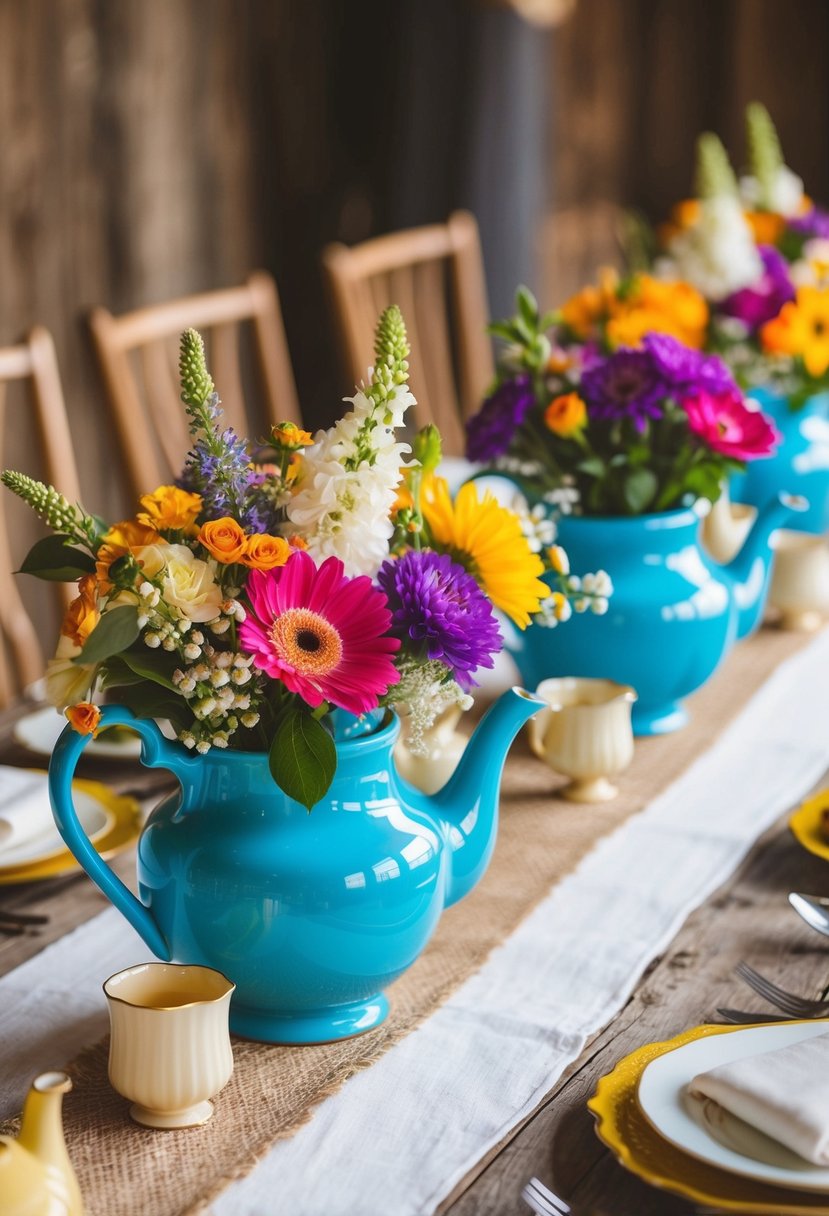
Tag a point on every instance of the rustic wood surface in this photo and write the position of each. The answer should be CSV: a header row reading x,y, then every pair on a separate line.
x,y
747,918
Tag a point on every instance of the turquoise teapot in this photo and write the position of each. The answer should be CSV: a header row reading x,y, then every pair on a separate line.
x,y
311,915
674,613
800,463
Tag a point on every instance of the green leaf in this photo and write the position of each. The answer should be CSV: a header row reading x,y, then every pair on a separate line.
x,y
527,306
639,489
157,666
114,673
116,630
303,758
55,559
150,701
502,329
592,466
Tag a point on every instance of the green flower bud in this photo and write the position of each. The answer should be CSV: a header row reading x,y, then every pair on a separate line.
x,y
196,381
427,447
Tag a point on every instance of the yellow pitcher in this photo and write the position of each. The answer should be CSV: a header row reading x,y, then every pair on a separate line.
x,y
36,1175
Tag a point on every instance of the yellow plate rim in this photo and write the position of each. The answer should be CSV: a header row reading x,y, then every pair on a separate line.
x,y
618,1088
123,832
805,824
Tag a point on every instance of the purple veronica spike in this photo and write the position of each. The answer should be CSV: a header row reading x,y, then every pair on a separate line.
x,y
490,432
438,610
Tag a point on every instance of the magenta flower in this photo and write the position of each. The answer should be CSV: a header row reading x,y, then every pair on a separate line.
x,y
726,425
325,636
763,299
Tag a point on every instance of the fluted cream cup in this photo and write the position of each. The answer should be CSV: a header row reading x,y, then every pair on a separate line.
x,y
799,591
584,733
169,1051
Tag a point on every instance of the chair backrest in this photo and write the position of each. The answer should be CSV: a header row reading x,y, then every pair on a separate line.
x,y
575,243
33,364
138,356
436,276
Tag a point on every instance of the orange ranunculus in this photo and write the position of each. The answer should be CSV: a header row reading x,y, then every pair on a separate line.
x,y
82,615
802,328
766,226
169,509
297,542
85,718
224,539
629,328
566,415
287,435
264,552
587,308
120,540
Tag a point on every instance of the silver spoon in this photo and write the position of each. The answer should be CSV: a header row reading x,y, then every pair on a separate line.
x,y
814,909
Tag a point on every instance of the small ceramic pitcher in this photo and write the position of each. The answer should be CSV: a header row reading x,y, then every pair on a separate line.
x,y
170,1048
585,733
430,767
799,591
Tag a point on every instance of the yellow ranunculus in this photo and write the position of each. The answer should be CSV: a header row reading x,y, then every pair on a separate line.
x,y
169,509
566,415
287,435
189,586
120,540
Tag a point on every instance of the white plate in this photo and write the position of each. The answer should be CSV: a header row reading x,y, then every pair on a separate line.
x,y
95,820
40,731
712,1135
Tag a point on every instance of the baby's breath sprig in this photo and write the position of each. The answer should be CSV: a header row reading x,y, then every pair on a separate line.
x,y
53,508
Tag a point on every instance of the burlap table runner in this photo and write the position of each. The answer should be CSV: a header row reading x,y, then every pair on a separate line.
x,y
124,1170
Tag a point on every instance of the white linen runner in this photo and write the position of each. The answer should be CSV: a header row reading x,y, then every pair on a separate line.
x,y
398,1136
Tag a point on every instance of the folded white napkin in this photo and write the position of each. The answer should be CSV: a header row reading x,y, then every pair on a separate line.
x,y
24,806
784,1093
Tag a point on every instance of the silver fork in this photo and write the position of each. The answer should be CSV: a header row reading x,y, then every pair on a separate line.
x,y
792,1004
542,1201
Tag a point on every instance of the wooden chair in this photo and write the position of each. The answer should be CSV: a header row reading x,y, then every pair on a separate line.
x,y
436,275
33,363
139,351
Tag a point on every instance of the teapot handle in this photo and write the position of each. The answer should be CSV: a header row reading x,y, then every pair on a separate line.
x,y
156,752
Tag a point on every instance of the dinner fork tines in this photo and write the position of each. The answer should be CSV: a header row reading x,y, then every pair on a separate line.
x,y
542,1201
789,1002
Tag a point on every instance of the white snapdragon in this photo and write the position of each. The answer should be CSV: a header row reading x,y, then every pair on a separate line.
x,y
783,195
717,253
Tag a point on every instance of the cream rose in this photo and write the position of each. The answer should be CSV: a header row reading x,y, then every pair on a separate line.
x,y
189,585
67,682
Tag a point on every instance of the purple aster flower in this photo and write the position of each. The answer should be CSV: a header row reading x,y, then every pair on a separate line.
x,y
490,432
684,368
762,300
628,384
440,612
815,223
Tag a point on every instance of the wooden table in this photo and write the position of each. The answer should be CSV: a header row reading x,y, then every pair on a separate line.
x,y
748,918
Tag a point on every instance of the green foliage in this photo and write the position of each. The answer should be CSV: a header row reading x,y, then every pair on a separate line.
x,y
55,559
196,382
714,174
55,510
765,157
303,757
115,631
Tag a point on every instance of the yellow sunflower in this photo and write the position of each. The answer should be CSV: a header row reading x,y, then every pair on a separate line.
x,y
487,540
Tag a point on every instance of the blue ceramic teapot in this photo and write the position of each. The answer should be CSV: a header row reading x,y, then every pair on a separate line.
x,y
674,613
800,463
312,914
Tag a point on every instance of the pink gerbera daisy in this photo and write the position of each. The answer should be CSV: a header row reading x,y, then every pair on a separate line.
x,y
323,635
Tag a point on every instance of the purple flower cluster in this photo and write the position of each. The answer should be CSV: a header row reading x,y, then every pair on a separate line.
x,y
758,303
218,468
439,611
814,224
490,432
634,384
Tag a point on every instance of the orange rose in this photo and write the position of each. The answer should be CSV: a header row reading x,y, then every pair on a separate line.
x,y
85,718
566,415
120,540
224,539
82,615
264,552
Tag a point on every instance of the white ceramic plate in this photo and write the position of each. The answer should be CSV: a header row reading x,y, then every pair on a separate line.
x,y
710,1134
40,731
95,818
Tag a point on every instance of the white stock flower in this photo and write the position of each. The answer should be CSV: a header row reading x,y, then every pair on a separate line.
x,y
717,254
67,682
188,584
785,196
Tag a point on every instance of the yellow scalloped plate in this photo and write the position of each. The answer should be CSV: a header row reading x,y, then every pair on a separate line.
x,y
805,823
624,1129
124,830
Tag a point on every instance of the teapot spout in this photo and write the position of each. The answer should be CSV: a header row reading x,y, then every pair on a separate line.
x,y
467,806
41,1134
750,570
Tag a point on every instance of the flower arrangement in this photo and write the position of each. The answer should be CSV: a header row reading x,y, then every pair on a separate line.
x,y
758,250
269,587
606,429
